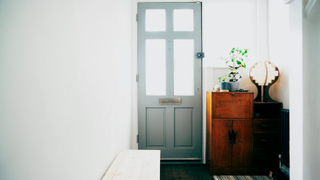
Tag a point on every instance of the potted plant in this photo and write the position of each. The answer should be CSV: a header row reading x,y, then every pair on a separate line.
x,y
235,61
224,84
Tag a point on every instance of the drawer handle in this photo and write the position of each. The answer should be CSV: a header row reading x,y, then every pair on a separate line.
x,y
232,94
266,140
232,136
266,125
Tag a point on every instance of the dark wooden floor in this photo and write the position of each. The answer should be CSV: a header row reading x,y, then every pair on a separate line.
x,y
184,171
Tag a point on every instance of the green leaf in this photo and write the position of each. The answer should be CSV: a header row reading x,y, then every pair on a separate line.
x,y
232,51
238,62
232,60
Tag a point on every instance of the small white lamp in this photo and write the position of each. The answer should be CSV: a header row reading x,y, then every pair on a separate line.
x,y
263,75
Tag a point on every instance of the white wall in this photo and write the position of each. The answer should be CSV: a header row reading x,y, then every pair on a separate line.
x,y
224,28
311,116
270,33
296,89
65,80
294,47
267,26
278,27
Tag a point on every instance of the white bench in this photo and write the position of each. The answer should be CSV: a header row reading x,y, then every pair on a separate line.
x,y
135,165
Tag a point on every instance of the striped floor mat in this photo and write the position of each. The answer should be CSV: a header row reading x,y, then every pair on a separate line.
x,y
241,177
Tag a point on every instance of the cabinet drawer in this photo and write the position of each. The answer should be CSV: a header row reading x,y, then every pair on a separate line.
x,y
266,158
266,140
236,105
266,125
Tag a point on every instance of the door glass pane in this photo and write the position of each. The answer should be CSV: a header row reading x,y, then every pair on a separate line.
x,y
183,20
155,67
155,20
183,66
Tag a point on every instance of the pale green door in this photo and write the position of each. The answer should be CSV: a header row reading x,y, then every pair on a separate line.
x,y
169,89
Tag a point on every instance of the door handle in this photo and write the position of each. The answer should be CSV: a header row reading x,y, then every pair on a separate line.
x,y
200,55
230,136
234,136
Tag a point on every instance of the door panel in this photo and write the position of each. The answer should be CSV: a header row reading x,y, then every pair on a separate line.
x,y
183,126
169,37
242,149
156,127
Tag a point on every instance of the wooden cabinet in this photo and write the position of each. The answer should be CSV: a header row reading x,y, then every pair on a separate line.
x,y
229,132
243,137
266,126
232,143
